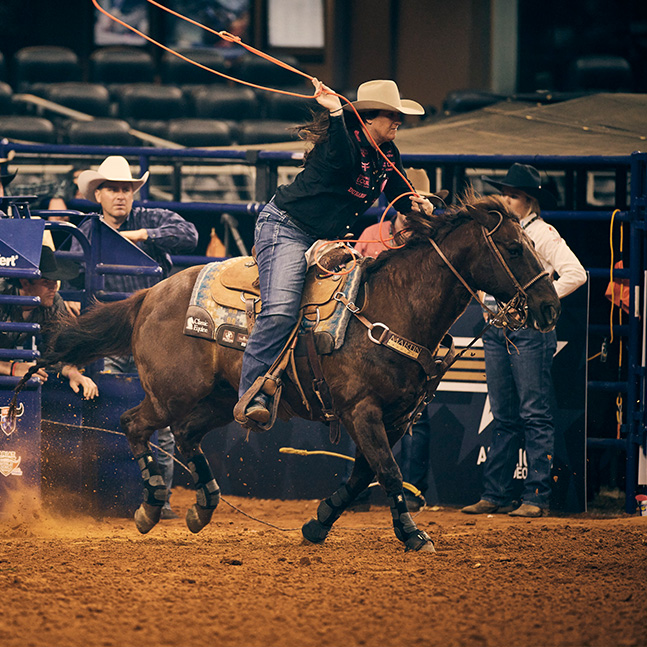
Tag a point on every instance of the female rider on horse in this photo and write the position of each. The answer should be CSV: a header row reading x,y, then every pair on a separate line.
x,y
342,176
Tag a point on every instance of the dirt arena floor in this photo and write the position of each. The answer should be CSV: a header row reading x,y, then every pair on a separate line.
x,y
495,581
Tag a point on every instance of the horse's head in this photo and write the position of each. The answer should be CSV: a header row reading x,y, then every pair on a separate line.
x,y
493,254
508,266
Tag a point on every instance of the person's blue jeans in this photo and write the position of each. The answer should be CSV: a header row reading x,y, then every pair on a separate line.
x,y
520,389
165,438
414,453
280,254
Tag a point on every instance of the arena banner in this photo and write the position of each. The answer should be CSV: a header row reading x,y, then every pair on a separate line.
x,y
20,452
86,457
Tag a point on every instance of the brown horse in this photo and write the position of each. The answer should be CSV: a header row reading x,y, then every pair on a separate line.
x,y
191,383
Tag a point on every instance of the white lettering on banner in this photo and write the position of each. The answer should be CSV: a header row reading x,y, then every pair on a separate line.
x,y
197,325
9,261
10,464
521,470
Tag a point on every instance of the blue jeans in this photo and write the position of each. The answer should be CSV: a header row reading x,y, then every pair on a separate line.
x,y
280,254
414,453
165,438
520,389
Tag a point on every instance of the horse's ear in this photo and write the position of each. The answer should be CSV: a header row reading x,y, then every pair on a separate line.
x,y
488,218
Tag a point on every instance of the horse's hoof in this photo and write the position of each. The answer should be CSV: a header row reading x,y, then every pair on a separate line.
x,y
314,531
146,517
197,517
420,542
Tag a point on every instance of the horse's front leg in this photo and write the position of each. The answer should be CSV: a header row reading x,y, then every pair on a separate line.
x,y
365,425
330,509
139,427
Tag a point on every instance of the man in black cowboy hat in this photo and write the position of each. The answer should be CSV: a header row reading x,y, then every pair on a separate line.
x,y
518,365
51,307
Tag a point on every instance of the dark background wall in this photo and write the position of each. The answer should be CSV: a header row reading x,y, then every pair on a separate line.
x,y
429,47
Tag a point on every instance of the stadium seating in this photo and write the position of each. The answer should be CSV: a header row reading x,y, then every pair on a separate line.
x,y
27,129
100,132
114,66
265,131
36,66
254,69
218,102
90,98
600,74
200,132
176,71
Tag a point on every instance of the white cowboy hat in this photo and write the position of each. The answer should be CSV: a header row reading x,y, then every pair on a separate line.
x,y
113,169
384,95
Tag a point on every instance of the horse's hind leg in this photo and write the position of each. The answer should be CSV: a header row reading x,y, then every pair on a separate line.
x,y
139,423
188,435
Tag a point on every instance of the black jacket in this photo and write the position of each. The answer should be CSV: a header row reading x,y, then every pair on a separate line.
x,y
341,179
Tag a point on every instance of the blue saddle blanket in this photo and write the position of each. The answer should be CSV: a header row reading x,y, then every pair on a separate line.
x,y
228,326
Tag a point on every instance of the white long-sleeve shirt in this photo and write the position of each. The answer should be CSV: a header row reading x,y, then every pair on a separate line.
x,y
556,256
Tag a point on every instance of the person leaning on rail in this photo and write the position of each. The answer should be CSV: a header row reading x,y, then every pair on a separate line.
x,y
51,307
518,365
343,174
159,233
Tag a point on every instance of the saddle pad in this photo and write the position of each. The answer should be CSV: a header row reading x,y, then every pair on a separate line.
x,y
204,316
208,319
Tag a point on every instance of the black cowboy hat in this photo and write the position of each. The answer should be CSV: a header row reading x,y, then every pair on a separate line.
x,y
525,178
56,269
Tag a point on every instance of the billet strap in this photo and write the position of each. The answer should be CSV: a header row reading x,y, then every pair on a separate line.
x,y
385,337
320,387
250,312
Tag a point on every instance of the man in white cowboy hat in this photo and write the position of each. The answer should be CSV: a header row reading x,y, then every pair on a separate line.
x,y
51,307
159,233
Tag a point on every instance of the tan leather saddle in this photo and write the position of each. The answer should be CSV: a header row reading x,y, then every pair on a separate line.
x,y
239,289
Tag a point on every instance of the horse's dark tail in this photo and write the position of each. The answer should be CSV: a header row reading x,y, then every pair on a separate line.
x,y
105,329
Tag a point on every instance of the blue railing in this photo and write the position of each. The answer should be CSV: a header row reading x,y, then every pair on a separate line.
x,y
452,168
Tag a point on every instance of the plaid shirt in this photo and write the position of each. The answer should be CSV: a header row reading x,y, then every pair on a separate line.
x,y
168,233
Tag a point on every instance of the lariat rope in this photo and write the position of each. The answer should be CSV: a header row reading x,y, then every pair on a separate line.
x,y
230,38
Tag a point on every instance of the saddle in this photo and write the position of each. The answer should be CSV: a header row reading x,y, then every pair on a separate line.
x,y
237,287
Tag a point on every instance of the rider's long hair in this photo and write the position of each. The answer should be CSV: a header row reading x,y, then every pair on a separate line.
x,y
315,132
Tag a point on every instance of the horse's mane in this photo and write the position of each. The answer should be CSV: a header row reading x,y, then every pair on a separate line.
x,y
421,227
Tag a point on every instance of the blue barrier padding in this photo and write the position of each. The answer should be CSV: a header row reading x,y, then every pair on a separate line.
x,y
18,353
15,326
10,299
20,476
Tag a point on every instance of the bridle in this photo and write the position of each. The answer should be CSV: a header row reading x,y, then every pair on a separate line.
x,y
512,315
